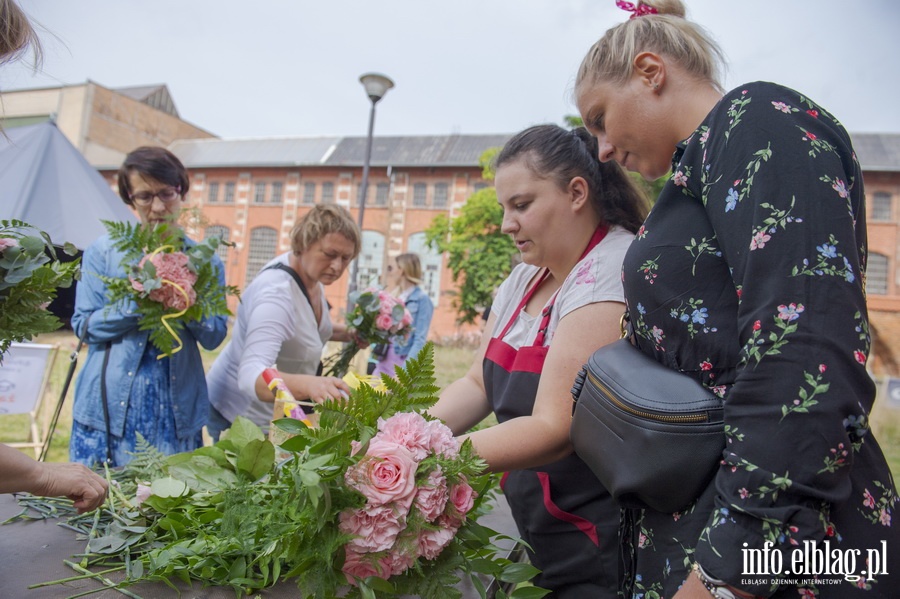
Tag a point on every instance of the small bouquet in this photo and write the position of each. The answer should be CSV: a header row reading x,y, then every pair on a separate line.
x,y
171,281
377,499
377,317
30,274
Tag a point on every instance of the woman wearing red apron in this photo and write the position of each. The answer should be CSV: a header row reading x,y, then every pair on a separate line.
x,y
572,219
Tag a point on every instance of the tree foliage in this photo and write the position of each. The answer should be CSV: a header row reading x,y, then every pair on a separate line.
x,y
480,256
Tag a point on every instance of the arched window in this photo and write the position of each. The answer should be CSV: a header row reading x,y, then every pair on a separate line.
x,y
371,260
263,243
432,262
877,274
222,233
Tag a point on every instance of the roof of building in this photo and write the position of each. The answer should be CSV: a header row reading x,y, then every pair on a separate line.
x,y
157,96
417,150
877,151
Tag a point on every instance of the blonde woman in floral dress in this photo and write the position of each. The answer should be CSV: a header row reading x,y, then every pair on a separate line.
x,y
748,275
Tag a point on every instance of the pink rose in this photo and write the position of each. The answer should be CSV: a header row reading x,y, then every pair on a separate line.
x,y
387,473
358,566
375,527
408,429
433,541
384,322
407,319
441,439
432,496
462,496
7,242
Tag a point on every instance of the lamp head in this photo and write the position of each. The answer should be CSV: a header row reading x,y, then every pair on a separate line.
x,y
376,85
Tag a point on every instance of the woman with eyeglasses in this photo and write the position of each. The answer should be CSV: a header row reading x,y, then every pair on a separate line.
x,y
403,277
163,400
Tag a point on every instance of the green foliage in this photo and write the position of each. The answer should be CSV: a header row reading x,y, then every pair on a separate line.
x,y
211,519
480,255
165,323
30,275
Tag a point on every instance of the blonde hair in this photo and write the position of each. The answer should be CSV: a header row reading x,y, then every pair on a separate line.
x,y
666,33
411,267
17,34
319,222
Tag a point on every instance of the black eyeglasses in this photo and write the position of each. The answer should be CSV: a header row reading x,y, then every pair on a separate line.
x,y
166,196
390,268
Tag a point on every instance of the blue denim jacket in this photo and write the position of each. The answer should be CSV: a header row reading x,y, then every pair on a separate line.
x,y
118,324
421,309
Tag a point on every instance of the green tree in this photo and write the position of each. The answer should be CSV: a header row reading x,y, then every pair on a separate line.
x,y
480,256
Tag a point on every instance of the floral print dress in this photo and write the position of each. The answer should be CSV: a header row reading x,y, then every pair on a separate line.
x,y
748,275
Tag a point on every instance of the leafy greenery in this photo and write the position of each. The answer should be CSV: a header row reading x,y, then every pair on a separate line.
x,y
480,255
137,241
231,515
30,275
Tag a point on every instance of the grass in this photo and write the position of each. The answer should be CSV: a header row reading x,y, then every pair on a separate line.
x,y
450,364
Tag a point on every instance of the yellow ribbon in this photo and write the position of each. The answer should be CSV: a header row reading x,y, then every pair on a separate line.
x,y
175,315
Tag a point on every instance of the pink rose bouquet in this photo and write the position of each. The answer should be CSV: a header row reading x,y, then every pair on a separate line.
x,y
377,317
172,280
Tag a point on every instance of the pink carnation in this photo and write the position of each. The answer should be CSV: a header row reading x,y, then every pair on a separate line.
x,y
400,561
433,541
358,566
408,429
7,242
432,496
375,528
142,494
441,439
172,269
386,474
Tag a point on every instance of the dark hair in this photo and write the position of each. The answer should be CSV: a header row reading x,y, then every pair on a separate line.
x,y
552,152
156,163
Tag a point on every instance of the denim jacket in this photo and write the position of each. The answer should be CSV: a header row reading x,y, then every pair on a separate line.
x,y
118,324
421,309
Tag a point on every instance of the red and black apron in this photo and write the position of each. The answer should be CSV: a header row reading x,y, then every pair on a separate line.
x,y
561,509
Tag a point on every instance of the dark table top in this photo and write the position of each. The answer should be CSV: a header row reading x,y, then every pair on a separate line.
x,y
33,552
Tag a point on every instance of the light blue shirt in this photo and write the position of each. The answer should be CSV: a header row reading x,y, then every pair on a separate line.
x,y
118,324
421,309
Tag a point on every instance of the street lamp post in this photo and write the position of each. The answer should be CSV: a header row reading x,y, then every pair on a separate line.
x,y
376,86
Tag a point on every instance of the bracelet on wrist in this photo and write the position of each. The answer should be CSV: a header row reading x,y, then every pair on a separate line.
x,y
718,588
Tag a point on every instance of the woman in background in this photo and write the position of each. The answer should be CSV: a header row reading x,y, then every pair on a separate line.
x,y
123,389
404,277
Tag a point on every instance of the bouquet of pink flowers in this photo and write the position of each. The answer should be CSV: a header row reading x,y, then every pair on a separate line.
x,y
172,281
377,317
416,494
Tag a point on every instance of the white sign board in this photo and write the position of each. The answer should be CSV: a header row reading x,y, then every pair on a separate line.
x,y
21,375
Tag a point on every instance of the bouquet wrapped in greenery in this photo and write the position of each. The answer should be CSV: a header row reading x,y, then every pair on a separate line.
x,y
30,275
377,317
375,500
171,281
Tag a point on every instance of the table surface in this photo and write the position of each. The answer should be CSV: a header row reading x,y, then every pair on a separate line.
x,y
33,552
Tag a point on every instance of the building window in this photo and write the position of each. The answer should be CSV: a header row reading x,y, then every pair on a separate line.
x,y
371,259
420,195
328,193
229,193
881,206
431,265
259,193
440,195
263,243
213,196
381,194
275,195
222,233
309,193
877,274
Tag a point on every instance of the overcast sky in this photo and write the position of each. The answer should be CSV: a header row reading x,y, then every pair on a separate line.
x,y
291,67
